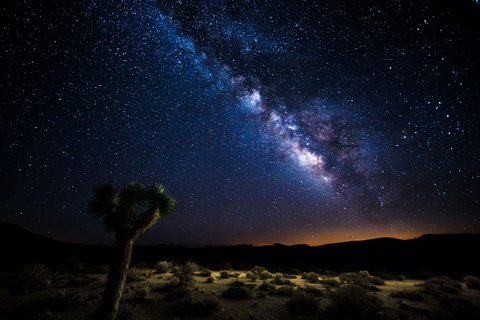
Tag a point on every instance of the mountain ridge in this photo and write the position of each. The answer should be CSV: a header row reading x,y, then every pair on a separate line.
x,y
440,253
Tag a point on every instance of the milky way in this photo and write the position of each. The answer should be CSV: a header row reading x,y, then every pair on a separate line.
x,y
268,121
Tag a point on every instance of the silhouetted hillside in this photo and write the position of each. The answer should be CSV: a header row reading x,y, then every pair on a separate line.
x,y
453,254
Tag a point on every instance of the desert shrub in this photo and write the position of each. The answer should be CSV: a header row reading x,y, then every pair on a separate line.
x,y
257,270
313,290
129,311
438,285
189,268
185,279
35,277
237,284
472,282
264,275
330,283
203,308
285,290
303,303
362,278
134,275
310,277
352,302
252,276
224,274
204,272
163,266
210,280
237,293
279,279
265,286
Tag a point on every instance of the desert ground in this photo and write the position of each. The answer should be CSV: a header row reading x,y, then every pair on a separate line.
x,y
190,291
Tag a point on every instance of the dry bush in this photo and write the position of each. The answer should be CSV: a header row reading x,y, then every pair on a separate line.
x,y
313,290
303,303
163,266
224,274
438,285
311,277
35,277
134,275
352,302
237,293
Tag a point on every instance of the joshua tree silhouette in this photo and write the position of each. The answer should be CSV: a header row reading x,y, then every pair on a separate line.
x,y
121,221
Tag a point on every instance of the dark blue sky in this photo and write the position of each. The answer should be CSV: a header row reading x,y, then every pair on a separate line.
x,y
268,121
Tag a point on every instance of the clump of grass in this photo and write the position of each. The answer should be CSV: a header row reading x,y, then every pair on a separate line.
x,y
472,282
35,277
237,293
163,266
311,277
303,303
352,302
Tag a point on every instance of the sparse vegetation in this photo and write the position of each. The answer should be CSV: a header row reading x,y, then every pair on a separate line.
x,y
134,275
438,285
163,266
303,303
237,293
224,274
362,279
311,277
309,289
35,277
264,275
285,290
352,302
252,276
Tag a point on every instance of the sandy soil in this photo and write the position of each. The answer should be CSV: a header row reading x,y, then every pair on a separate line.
x,y
84,299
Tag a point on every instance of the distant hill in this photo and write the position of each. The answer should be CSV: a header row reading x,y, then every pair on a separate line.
x,y
452,254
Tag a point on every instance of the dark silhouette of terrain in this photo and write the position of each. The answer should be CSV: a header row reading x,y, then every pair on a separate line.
x,y
447,254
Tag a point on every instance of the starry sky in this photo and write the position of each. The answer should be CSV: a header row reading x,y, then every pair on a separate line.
x,y
268,121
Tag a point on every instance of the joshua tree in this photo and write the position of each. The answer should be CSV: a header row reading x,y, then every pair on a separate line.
x,y
121,221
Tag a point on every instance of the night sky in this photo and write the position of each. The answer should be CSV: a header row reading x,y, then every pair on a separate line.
x,y
268,121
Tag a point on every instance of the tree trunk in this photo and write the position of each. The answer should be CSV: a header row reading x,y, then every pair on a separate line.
x,y
116,280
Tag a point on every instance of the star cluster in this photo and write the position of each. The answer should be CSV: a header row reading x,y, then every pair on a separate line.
x,y
268,121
